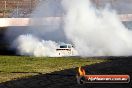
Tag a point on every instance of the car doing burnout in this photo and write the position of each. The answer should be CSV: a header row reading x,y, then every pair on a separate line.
x,y
66,50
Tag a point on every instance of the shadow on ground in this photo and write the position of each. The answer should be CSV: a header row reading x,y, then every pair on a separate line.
x,y
67,78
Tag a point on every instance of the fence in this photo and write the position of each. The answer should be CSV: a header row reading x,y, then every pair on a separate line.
x,y
16,8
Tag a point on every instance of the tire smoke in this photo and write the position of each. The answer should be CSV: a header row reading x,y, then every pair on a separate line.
x,y
93,32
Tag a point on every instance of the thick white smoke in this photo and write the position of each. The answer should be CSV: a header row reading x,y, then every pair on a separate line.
x,y
94,32
40,38
31,45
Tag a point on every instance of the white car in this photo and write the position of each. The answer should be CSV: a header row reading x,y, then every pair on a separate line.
x,y
66,50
